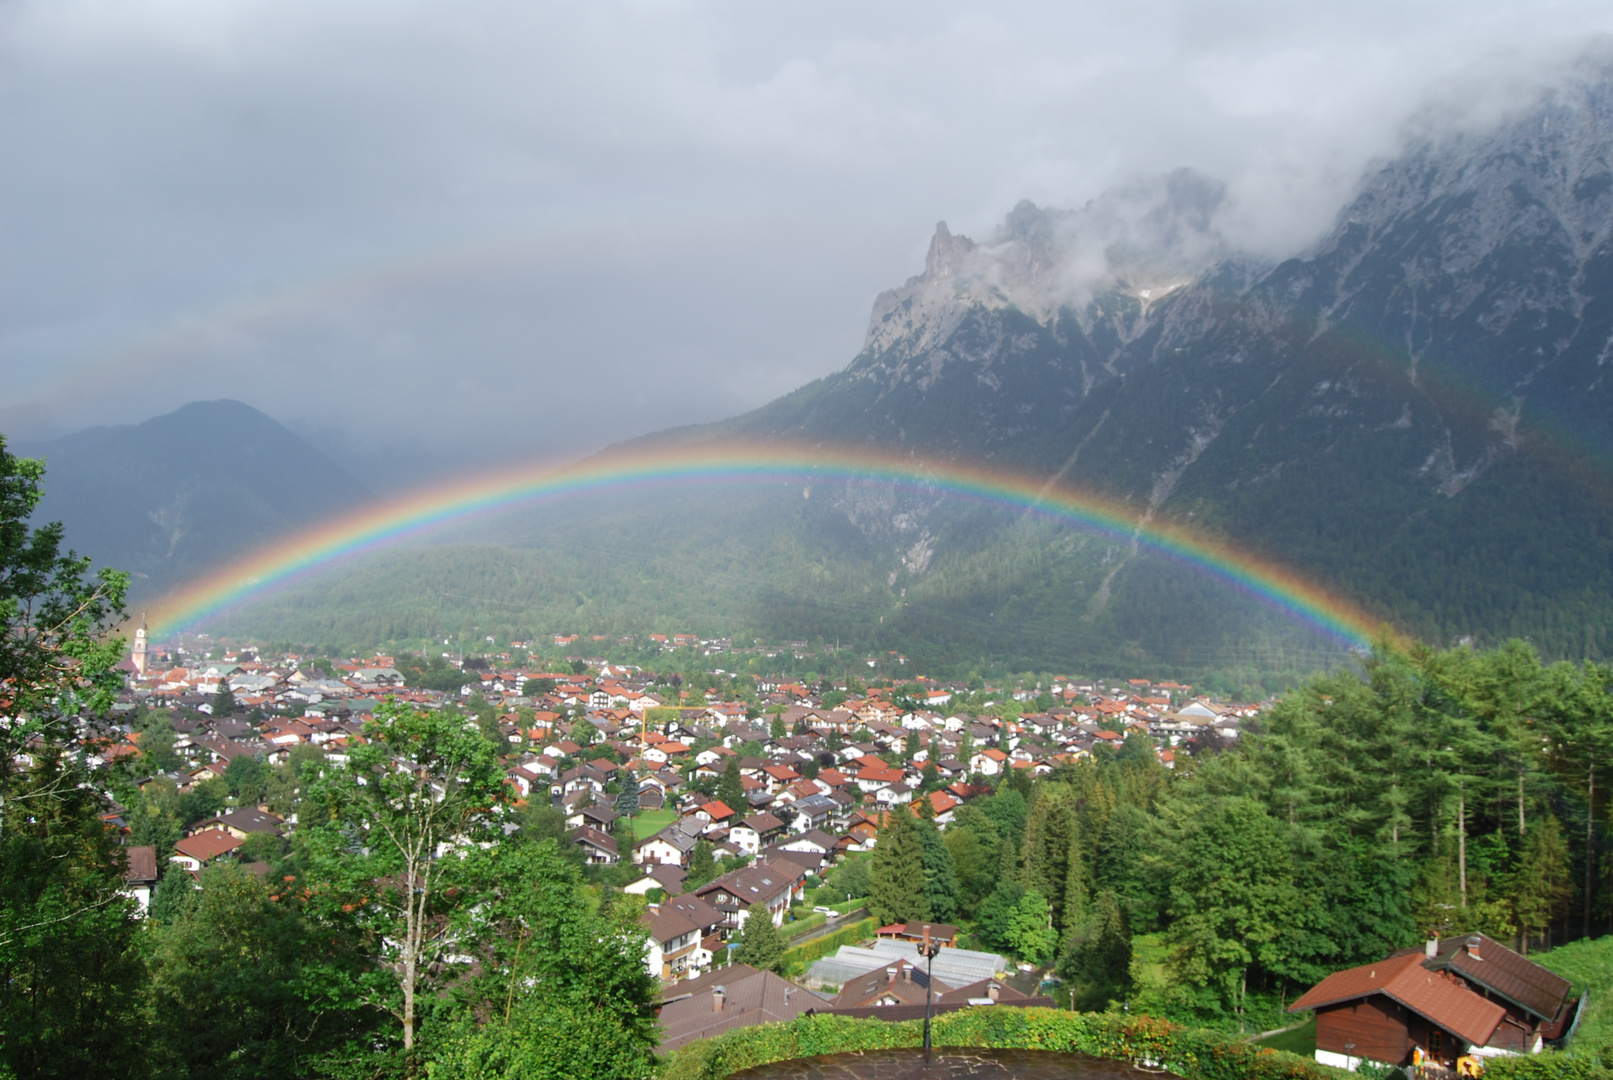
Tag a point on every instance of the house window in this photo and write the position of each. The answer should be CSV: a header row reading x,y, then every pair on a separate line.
x,y
1435,1043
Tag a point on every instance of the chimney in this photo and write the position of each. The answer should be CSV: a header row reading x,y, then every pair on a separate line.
x,y
1473,944
719,994
890,976
907,973
1431,947
993,991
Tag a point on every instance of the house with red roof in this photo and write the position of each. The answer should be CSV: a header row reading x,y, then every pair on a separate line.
x,y
1470,997
988,762
874,774
715,812
196,851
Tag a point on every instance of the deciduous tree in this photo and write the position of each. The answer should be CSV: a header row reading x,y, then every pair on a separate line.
x,y
390,841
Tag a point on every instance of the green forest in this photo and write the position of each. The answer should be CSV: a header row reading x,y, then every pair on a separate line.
x,y
1015,594
1427,793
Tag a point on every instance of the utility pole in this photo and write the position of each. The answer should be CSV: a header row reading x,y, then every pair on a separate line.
x,y
928,949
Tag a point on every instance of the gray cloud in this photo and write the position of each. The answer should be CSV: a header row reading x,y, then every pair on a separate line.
x,y
449,233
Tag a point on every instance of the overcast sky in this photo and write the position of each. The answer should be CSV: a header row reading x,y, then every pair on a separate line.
x,y
451,232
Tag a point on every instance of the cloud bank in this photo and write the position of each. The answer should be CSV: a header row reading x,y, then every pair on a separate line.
x,y
435,234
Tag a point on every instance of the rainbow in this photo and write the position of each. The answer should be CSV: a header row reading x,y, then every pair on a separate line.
x,y
391,521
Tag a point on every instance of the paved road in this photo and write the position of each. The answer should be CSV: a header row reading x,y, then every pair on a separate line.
x,y
829,927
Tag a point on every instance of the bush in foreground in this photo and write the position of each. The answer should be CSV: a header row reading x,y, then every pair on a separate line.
x,y
1187,1052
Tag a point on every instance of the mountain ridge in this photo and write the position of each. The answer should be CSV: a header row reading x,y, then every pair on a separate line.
x,y
185,491
1455,317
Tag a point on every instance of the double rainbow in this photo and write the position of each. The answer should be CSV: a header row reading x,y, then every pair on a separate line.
x,y
391,521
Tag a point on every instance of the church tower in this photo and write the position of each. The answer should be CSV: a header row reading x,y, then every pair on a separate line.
x,y
140,647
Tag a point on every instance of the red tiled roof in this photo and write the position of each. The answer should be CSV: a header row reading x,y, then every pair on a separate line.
x,y
1428,993
207,845
1513,976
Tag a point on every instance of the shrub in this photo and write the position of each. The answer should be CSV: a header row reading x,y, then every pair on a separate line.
x,y
804,923
800,958
1549,1065
1187,1052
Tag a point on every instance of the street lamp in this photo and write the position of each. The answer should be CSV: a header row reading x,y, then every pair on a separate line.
x,y
928,949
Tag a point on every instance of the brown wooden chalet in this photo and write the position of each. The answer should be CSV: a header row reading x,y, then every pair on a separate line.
x,y
1467,996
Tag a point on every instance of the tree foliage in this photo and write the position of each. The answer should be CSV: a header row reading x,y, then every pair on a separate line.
x,y
392,842
896,877
761,945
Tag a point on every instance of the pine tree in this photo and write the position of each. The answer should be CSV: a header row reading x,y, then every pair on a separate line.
x,y
702,867
896,873
760,943
1541,886
1098,960
1052,855
729,790
627,801
940,874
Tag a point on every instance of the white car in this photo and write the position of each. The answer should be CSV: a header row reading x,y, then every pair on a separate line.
x,y
829,911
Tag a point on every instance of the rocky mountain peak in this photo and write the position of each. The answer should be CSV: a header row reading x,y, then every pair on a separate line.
x,y
948,254
1142,240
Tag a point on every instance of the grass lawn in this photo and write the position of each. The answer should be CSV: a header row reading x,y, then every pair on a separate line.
x,y
1300,1040
649,822
1151,953
1588,965
828,897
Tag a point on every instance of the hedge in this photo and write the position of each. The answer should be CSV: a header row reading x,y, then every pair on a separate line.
x,y
1548,1065
805,924
800,957
1187,1052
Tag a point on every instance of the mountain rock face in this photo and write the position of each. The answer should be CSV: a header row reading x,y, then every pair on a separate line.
x,y
995,345
1414,411
183,492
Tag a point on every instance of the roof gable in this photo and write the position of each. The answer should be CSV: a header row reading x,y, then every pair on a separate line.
x,y
1481,960
1431,994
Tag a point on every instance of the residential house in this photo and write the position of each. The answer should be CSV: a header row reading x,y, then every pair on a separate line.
x,y
946,935
728,998
597,817
1472,996
900,983
762,887
141,875
597,847
668,877
671,846
812,812
812,842
200,849
750,833
988,762
244,822
676,929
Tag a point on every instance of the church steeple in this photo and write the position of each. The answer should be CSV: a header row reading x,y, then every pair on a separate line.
x,y
139,657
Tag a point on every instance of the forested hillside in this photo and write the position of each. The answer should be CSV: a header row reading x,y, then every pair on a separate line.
x,y
179,494
1432,793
